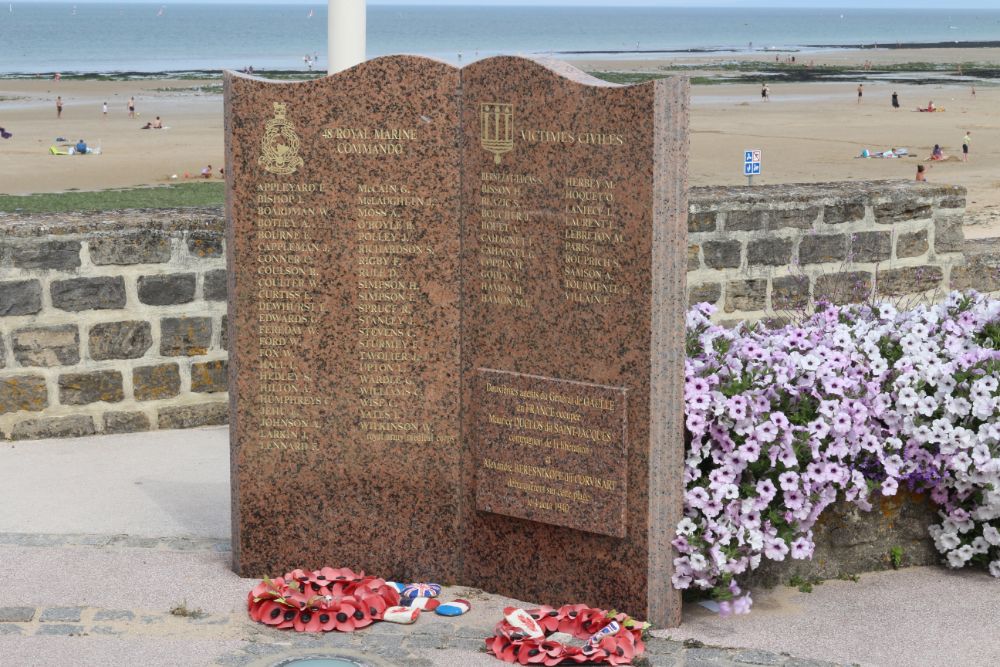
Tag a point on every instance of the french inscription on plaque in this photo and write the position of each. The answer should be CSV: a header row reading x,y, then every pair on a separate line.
x,y
552,451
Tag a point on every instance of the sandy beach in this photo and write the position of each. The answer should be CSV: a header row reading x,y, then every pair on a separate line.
x,y
808,132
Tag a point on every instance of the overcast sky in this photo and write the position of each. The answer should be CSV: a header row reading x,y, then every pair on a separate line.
x,y
800,4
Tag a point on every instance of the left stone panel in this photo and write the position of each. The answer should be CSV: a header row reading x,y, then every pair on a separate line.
x,y
343,212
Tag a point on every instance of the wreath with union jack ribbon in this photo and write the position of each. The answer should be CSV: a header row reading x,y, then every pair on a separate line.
x,y
321,600
523,636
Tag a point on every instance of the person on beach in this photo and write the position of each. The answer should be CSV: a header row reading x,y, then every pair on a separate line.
x,y
131,107
860,91
765,92
921,173
207,172
104,109
966,140
153,125
937,154
81,147
58,106
895,101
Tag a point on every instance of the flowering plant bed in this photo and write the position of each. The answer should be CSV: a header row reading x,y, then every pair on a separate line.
x,y
851,404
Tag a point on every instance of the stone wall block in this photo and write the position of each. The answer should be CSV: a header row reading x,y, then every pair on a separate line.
x,y
744,221
125,422
47,346
53,255
185,336
120,340
703,221
23,392
951,202
209,376
912,244
841,212
53,427
86,388
216,288
796,218
769,252
789,292
722,254
909,280
900,210
948,235
20,297
224,336
78,294
150,383
189,416
704,293
822,248
842,288
125,249
746,295
694,262
871,246
205,244
166,290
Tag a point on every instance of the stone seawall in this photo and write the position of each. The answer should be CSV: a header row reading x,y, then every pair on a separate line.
x,y
116,321
760,253
112,322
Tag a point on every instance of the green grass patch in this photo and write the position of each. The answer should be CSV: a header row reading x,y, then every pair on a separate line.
x,y
182,195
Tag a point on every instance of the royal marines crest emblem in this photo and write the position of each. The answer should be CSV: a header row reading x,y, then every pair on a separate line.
x,y
280,145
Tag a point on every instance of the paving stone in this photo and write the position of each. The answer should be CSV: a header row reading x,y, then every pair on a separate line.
x,y
205,244
11,630
234,660
70,614
20,297
125,422
185,336
86,388
707,657
653,660
663,646
124,249
424,641
120,340
113,615
59,255
23,392
800,662
46,346
150,383
60,629
53,427
758,658
189,416
216,288
106,630
107,292
210,376
16,614
166,290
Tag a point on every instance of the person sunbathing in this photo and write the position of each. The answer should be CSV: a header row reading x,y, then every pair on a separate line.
x,y
153,125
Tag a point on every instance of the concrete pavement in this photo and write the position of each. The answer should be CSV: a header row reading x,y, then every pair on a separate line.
x,y
100,538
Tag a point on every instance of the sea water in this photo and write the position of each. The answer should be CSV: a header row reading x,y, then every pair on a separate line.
x,y
129,37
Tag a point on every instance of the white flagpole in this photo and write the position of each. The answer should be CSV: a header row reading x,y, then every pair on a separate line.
x,y
346,26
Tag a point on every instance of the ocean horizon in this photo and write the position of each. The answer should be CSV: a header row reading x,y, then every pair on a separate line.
x,y
119,37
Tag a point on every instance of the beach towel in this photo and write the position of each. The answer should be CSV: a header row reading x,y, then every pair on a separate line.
x,y
54,150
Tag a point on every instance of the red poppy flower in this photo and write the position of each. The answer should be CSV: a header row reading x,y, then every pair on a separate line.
x,y
308,620
569,618
375,605
531,653
546,616
268,612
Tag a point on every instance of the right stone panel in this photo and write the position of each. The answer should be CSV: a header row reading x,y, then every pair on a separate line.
x,y
574,259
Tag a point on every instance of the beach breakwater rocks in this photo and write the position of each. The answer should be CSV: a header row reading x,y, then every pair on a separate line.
x,y
112,322
116,321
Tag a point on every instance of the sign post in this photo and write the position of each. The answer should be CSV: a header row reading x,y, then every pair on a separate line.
x,y
751,164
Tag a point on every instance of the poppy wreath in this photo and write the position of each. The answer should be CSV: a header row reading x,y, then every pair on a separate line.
x,y
512,644
321,600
